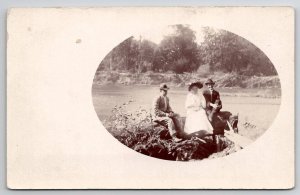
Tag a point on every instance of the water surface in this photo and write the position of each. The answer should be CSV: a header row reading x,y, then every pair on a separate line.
x,y
258,111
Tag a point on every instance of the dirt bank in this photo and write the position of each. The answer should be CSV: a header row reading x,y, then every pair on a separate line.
x,y
223,80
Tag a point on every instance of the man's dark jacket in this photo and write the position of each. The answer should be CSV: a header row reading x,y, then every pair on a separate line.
x,y
212,97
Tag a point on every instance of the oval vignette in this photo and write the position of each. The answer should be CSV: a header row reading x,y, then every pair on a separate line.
x,y
127,82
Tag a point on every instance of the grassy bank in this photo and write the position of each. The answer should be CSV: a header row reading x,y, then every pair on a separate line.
x,y
223,80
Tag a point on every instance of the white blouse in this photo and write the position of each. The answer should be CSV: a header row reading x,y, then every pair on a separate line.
x,y
195,102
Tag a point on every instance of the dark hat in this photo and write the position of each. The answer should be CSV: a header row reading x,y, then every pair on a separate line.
x,y
164,86
209,81
197,84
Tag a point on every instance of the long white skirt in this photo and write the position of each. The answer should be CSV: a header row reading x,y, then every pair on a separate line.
x,y
197,121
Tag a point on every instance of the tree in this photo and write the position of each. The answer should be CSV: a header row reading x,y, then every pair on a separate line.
x,y
178,52
227,52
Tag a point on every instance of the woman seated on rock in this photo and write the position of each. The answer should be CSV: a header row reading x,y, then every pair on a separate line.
x,y
196,122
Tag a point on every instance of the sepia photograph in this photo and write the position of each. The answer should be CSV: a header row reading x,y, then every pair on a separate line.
x,y
186,93
150,98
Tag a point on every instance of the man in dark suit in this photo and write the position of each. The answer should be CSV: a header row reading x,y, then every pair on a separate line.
x,y
213,101
164,114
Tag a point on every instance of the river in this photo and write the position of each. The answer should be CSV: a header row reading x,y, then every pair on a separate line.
x,y
258,111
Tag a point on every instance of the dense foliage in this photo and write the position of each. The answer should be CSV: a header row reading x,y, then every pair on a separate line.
x,y
137,131
179,52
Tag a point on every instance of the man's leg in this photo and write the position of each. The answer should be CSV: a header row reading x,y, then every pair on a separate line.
x,y
161,121
171,126
210,115
177,125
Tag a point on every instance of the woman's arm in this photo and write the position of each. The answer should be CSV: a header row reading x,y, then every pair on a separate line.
x,y
203,102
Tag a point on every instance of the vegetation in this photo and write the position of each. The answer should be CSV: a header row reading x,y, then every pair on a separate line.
x,y
223,80
178,59
180,53
137,131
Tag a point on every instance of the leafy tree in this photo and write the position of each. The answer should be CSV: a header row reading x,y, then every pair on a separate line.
x,y
227,52
179,52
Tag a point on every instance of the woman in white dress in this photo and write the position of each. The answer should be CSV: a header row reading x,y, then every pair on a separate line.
x,y
196,118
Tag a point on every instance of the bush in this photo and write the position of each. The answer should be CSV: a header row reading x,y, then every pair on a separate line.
x,y
137,131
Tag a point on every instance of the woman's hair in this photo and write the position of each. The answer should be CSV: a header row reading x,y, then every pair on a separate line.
x,y
197,84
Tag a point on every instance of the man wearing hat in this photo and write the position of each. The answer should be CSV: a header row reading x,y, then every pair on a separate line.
x,y
164,114
213,101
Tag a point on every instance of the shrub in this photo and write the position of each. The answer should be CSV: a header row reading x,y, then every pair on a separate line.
x,y
137,131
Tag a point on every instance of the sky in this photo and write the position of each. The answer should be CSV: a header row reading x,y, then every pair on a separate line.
x,y
158,34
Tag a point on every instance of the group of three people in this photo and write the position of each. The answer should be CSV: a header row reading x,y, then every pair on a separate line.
x,y
201,108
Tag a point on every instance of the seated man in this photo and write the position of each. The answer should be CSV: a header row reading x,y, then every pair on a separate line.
x,y
164,114
213,101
